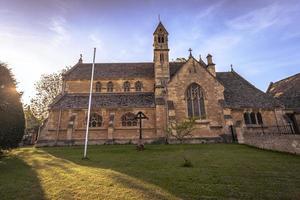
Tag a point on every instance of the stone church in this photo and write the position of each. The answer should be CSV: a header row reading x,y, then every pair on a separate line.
x,y
165,92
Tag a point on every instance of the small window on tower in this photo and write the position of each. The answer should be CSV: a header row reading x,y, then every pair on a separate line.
x,y
161,39
161,57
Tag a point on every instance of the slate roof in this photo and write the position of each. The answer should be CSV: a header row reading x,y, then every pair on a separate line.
x,y
82,71
107,100
287,91
239,93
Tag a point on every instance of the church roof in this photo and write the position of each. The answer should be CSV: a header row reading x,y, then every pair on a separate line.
x,y
239,93
287,91
107,100
82,71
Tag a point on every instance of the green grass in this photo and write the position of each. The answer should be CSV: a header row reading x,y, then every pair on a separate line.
x,y
220,171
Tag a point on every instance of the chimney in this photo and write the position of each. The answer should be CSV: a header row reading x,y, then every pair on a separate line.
x,y
210,65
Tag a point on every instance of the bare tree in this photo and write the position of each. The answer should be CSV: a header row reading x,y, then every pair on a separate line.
x,y
48,87
181,130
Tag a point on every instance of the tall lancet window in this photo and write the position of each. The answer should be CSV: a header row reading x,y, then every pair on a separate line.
x,y
195,101
161,57
161,39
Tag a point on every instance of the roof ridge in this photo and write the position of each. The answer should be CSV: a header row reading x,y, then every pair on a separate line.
x,y
251,85
286,78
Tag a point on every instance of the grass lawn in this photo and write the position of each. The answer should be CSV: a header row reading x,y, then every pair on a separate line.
x,y
220,171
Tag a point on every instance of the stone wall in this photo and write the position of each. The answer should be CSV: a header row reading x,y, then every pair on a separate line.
x,y
83,86
277,142
192,72
70,127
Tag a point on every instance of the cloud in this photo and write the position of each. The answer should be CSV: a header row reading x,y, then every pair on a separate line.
x,y
259,19
209,11
58,27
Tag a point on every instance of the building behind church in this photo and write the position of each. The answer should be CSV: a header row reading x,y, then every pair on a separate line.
x,y
165,92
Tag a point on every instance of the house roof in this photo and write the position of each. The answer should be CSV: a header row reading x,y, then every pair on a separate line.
x,y
287,91
239,93
107,100
82,71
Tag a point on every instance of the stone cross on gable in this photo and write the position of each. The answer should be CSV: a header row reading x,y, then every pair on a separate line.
x,y
190,50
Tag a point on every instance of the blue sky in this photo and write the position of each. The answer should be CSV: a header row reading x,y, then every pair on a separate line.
x,y
260,38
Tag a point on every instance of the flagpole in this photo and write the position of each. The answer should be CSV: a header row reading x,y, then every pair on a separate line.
x,y
89,108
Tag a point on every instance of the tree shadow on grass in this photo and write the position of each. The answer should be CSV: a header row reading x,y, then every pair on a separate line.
x,y
18,180
64,179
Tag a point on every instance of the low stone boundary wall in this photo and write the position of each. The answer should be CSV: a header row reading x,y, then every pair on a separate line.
x,y
278,142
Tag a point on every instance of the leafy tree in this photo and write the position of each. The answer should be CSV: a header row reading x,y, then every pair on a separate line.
x,y
31,121
180,60
12,122
48,87
181,130
32,125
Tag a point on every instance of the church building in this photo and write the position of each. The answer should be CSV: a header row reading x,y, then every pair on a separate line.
x,y
165,92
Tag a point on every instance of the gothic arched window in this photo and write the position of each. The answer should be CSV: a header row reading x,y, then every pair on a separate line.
x,y
138,86
95,120
110,87
126,86
98,87
195,101
128,119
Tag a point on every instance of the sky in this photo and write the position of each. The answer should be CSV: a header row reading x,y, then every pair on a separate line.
x,y
260,38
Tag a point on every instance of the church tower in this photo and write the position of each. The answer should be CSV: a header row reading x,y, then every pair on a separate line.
x,y
161,58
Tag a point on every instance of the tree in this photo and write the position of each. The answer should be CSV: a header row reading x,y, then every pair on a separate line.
x,y
181,130
48,87
180,60
12,122
32,125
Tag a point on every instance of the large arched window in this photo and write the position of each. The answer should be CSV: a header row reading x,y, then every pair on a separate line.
x,y
195,101
95,120
129,119
126,86
138,86
98,87
110,87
